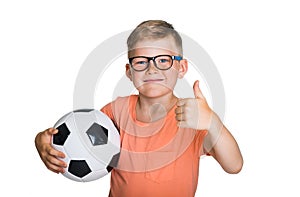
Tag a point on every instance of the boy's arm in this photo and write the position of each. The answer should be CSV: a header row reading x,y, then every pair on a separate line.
x,y
220,144
195,113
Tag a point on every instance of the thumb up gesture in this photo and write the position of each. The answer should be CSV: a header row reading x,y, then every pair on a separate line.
x,y
194,112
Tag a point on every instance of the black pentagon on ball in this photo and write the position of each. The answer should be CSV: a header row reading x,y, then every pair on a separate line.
x,y
61,136
79,168
97,134
113,162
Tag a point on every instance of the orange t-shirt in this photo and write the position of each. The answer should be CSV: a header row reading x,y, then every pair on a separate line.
x,y
158,158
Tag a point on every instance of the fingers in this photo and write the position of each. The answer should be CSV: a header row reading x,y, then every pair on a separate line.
x,y
180,114
53,160
179,110
187,113
55,165
55,153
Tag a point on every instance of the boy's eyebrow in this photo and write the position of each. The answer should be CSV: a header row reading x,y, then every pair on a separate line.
x,y
175,57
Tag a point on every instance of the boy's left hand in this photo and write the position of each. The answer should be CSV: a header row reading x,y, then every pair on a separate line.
x,y
194,112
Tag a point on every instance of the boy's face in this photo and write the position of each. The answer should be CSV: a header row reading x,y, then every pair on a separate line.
x,y
153,82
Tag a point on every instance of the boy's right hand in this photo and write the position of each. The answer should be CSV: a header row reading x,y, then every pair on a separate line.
x,y
49,155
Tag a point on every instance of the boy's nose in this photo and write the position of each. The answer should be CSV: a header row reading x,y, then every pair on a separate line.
x,y
152,68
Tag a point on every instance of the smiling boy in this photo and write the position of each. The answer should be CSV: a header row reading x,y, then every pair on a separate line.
x,y
162,136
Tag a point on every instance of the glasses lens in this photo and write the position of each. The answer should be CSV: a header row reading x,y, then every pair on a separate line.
x,y
164,62
139,63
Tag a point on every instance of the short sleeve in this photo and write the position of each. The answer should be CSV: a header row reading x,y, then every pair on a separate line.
x,y
107,109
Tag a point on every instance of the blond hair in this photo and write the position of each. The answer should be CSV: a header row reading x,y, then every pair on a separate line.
x,y
153,29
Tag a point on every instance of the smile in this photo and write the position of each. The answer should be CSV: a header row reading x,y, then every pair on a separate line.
x,y
152,80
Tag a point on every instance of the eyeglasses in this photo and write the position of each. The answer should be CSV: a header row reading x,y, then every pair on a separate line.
x,y
162,62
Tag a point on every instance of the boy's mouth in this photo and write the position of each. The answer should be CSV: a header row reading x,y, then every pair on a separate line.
x,y
152,80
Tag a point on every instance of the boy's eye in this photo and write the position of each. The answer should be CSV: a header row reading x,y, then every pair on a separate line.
x,y
164,60
141,62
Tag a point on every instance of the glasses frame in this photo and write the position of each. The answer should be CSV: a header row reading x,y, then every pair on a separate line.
x,y
173,57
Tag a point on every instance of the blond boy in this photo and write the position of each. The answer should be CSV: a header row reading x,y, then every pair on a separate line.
x,y
162,136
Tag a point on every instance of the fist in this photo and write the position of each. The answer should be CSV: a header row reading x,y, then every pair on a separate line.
x,y
194,112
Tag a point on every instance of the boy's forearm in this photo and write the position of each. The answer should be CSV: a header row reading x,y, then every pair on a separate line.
x,y
222,146
214,132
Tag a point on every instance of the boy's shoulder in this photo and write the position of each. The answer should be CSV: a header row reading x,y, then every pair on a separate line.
x,y
120,103
125,99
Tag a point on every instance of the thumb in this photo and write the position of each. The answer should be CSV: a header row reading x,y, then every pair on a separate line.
x,y
51,131
197,92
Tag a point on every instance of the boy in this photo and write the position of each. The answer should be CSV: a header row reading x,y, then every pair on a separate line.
x,y
162,137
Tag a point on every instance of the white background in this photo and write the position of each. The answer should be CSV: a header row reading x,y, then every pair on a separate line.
x,y
254,44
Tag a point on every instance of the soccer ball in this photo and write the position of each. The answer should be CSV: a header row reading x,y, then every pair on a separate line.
x,y
90,142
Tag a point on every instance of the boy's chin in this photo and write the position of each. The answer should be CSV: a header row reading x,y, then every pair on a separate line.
x,y
154,90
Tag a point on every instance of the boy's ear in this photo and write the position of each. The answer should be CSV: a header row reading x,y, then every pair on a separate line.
x,y
128,72
183,68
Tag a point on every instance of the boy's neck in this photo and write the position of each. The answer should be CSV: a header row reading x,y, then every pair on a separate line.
x,y
153,109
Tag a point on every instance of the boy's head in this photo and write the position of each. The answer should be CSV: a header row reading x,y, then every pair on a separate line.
x,y
152,30
155,58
